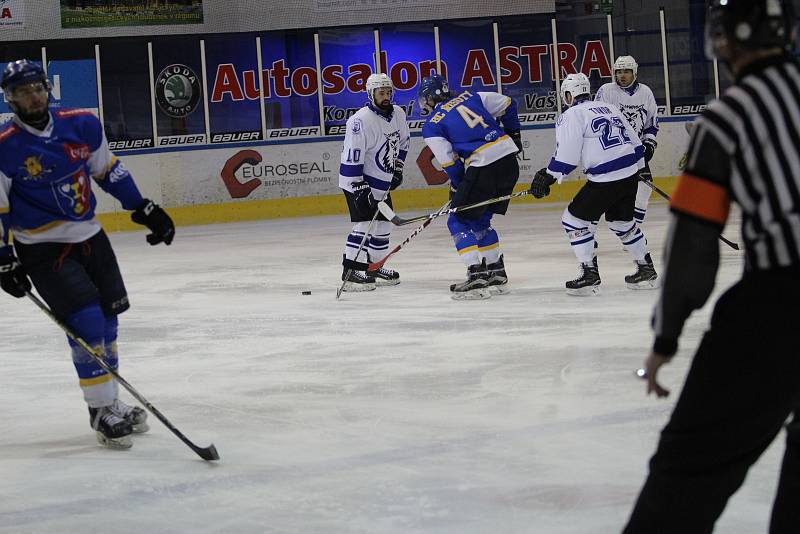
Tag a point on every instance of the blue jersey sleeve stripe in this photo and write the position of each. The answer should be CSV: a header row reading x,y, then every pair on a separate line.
x,y
615,164
651,130
351,171
560,166
376,183
402,155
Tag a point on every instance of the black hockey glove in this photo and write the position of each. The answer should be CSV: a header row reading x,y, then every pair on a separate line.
x,y
516,136
645,175
540,186
365,202
397,179
156,220
13,279
649,149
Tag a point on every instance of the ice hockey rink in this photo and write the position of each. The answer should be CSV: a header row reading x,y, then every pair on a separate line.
x,y
394,411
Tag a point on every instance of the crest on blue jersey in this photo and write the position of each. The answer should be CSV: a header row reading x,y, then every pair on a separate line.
x,y
74,194
34,169
387,154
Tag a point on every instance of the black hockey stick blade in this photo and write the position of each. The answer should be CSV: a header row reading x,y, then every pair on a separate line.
x,y
206,453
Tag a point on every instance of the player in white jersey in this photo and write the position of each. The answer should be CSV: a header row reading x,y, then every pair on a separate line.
x,y
375,147
636,102
599,137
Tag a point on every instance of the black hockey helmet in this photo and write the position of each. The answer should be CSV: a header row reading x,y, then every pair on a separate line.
x,y
752,24
22,72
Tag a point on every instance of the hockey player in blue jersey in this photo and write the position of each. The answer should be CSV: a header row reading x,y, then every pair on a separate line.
x,y
480,157
47,161
597,135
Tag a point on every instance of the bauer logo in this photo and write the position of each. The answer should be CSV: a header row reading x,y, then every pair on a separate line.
x,y
177,90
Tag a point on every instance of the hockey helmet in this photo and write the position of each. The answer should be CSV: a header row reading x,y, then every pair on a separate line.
x,y
576,85
377,81
626,63
752,24
22,72
434,87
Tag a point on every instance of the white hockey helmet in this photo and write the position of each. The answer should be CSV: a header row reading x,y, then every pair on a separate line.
x,y
576,85
626,63
377,81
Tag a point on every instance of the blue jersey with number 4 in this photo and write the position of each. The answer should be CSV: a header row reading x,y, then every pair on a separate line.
x,y
597,136
465,131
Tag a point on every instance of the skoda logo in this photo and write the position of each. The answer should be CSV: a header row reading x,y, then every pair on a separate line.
x,y
177,90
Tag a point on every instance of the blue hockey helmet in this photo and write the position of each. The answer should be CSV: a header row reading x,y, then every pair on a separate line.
x,y
433,87
22,72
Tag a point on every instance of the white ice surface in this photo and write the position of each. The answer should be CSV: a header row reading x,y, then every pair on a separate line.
x,y
395,411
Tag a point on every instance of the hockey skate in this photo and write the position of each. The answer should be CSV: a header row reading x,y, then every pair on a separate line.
x,y
356,281
112,430
498,279
385,277
136,416
475,287
645,276
588,283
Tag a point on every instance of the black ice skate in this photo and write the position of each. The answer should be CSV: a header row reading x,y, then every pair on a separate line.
x,y
475,287
385,277
357,281
588,283
136,416
498,279
645,276
112,430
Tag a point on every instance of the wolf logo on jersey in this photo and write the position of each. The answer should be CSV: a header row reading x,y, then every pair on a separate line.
x,y
386,155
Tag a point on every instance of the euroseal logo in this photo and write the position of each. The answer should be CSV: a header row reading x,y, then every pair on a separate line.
x,y
177,90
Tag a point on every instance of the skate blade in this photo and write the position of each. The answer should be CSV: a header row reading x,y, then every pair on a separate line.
x,y
350,287
482,293
648,284
500,289
141,428
588,291
383,283
118,444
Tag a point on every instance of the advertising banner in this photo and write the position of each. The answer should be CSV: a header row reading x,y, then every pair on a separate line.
x,y
178,90
12,14
347,58
467,51
233,92
408,54
93,14
291,100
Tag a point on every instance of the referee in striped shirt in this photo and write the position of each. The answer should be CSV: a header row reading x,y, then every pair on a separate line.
x,y
744,381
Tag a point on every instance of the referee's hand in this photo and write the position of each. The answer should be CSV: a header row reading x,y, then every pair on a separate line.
x,y
651,365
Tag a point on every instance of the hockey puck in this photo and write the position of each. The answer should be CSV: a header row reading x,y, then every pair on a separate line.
x,y
641,373
306,292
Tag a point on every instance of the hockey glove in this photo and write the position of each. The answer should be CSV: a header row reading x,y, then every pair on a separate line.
x,y
645,175
397,179
13,279
151,215
540,186
649,149
516,136
365,202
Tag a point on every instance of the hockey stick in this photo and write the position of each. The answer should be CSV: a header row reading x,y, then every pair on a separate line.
x,y
360,248
206,453
399,221
654,187
378,264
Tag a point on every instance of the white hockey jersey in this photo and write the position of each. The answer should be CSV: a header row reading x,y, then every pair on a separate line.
x,y
374,146
637,104
597,136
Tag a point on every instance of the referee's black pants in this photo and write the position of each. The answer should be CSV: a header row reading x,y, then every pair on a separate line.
x,y
743,384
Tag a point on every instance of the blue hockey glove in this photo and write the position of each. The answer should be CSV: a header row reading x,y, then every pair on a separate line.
x,y
151,215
